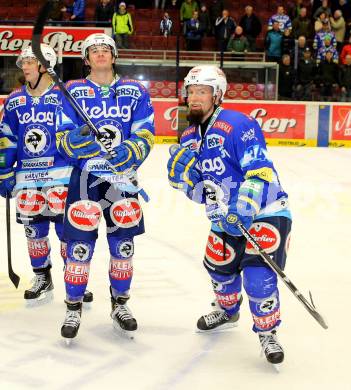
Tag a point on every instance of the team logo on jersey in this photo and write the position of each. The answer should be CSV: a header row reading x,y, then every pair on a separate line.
x,y
130,90
80,251
37,140
217,253
113,111
30,202
215,165
191,144
111,132
266,235
214,141
83,92
51,99
126,213
56,198
84,215
248,135
268,305
38,163
125,249
224,126
31,231
16,102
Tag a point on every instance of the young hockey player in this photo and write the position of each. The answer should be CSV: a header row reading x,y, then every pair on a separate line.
x,y
31,166
121,110
223,163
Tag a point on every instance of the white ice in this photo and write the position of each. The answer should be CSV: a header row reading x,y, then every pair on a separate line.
x,y
171,290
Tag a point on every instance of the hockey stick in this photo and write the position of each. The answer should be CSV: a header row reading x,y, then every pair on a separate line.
x,y
15,279
309,306
36,40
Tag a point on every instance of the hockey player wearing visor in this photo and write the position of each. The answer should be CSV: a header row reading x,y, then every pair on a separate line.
x,y
32,169
223,163
122,112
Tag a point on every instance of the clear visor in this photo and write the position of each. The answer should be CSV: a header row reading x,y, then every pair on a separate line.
x,y
26,60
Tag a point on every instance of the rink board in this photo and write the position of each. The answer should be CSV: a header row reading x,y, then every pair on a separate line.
x,y
283,123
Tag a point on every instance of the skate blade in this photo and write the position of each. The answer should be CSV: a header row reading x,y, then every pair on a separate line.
x,y
44,298
87,305
219,328
275,366
67,341
128,334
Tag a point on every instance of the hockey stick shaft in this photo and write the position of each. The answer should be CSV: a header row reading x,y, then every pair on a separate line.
x,y
36,40
275,267
15,279
269,261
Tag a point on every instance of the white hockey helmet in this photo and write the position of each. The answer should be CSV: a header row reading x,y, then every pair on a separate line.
x,y
48,53
98,39
209,75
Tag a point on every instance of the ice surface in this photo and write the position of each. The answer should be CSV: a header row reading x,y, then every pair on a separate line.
x,y
171,290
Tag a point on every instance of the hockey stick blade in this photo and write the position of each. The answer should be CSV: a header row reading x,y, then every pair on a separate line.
x,y
15,279
268,260
36,40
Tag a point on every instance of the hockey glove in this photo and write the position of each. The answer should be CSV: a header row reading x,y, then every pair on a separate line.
x,y
78,144
183,174
7,182
132,152
244,207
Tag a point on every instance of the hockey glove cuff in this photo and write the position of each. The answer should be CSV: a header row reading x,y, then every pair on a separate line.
x,y
7,182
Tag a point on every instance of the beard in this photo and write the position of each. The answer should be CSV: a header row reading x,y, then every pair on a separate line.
x,y
195,117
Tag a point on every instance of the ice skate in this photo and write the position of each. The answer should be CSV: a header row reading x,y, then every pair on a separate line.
x,y
217,320
271,348
71,323
41,290
88,298
123,320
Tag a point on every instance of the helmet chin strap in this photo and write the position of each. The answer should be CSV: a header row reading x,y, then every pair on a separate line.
x,y
39,78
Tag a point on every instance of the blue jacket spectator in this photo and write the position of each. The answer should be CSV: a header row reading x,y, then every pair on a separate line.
x,y
274,39
77,10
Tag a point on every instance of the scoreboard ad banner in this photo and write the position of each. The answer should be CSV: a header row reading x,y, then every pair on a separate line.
x,y
13,39
283,124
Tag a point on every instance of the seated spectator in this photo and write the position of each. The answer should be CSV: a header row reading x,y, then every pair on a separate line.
x,y
166,25
251,26
238,44
280,17
345,51
55,13
345,8
287,77
225,27
215,9
325,41
273,43
345,79
295,10
301,47
104,12
204,19
77,10
328,76
306,73
172,5
323,8
193,33
321,20
288,43
122,26
338,26
302,25
186,11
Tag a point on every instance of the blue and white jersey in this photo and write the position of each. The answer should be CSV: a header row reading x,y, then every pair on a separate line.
x,y
232,150
28,135
118,110
283,20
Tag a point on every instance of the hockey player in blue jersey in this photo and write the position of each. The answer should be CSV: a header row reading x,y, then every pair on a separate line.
x,y
121,109
223,162
31,167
